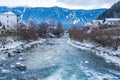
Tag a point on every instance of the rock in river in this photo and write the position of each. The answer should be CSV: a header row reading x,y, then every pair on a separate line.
x,y
20,66
21,59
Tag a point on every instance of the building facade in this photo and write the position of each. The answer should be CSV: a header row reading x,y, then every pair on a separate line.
x,y
9,20
111,21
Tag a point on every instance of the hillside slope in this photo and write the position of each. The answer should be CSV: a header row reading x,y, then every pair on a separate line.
x,y
113,12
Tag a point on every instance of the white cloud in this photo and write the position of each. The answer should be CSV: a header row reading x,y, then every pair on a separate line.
x,y
32,3
89,4
72,4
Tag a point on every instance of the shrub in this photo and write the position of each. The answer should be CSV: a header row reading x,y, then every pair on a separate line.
x,y
105,36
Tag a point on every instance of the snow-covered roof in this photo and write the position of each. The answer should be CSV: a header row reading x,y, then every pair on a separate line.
x,y
88,24
9,13
94,21
112,19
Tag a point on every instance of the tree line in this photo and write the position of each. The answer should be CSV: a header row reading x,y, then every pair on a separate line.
x,y
34,31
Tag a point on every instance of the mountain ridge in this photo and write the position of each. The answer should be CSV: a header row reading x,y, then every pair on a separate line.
x,y
68,17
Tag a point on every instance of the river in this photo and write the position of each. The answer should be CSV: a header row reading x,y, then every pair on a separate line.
x,y
57,60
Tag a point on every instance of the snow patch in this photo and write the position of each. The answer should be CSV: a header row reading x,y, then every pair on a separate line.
x,y
2,57
76,21
86,62
5,71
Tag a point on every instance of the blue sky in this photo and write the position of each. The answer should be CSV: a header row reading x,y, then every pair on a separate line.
x,y
71,4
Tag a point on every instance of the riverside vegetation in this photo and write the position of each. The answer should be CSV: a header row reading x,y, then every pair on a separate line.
x,y
104,35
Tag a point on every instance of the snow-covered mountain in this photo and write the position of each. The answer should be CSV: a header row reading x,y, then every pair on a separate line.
x,y
66,16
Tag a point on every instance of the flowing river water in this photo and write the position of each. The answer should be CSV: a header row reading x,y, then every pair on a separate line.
x,y
57,60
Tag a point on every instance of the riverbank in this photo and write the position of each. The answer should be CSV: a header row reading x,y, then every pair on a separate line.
x,y
107,53
12,57
55,59
12,47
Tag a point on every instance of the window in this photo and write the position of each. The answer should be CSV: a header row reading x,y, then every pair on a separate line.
x,y
7,21
7,16
7,25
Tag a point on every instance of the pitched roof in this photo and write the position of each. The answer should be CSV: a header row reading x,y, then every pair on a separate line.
x,y
94,21
112,19
9,13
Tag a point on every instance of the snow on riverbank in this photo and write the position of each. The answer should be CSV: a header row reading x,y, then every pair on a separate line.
x,y
13,46
108,54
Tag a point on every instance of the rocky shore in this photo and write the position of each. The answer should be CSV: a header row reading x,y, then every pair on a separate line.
x,y
12,59
107,53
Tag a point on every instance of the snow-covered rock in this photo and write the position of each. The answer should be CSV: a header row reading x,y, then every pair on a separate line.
x,y
13,45
21,59
5,71
12,65
86,62
20,66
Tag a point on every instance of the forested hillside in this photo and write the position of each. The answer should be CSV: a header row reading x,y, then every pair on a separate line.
x,y
113,12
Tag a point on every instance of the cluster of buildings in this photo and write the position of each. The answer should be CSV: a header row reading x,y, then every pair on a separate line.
x,y
107,21
8,22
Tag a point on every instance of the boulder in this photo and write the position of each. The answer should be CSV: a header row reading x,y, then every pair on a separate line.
x,y
17,51
12,65
21,59
20,66
21,54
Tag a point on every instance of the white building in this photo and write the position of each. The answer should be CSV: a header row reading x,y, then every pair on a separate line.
x,y
94,23
9,20
111,21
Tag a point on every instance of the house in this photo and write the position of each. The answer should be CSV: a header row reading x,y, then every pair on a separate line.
x,y
111,21
96,23
9,20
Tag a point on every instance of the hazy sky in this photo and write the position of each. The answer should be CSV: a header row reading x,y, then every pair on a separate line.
x,y
71,4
